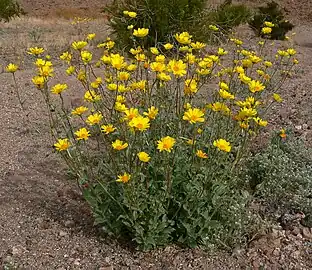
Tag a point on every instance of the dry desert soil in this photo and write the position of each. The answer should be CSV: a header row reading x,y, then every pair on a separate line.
x,y
44,222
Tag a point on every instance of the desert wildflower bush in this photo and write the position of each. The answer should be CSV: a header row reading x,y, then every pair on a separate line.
x,y
158,142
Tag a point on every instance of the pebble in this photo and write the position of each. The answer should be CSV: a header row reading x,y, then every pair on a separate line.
x,y
306,233
62,233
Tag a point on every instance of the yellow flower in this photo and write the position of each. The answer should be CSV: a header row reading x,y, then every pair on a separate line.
x,y
220,107
86,57
79,110
158,66
82,134
201,154
255,86
41,63
154,50
62,144
225,94
46,71
245,113
35,51
11,68
117,61
136,51
277,97
177,67
66,56
78,45
94,119
224,86
168,46
239,69
91,36
112,86
120,107
268,64
183,38
246,63
260,122
184,49
96,83
190,58
140,32
190,86
120,99
131,14
131,67
39,81
160,58
221,52
222,145
213,27
123,76
238,42
194,115
283,134
119,145
198,45
130,27
266,30
122,88
70,70
163,77
203,71
255,59
151,112
269,24
295,61
92,96
124,178
140,85
166,144
131,113
244,79
108,128
143,156
140,123
282,53
140,57
291,51
59,88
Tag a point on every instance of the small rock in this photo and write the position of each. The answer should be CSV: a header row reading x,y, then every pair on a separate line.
x,y
17,251
295,254
276,252
77,262
306,233
106,268
296,231
69,223
62,233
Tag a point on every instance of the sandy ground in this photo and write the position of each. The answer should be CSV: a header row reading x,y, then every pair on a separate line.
x,y
44,222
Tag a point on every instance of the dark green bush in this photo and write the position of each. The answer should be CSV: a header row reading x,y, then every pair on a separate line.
x,y
164,18
9,9
271,13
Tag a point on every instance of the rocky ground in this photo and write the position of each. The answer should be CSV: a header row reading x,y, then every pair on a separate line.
x,y
44,222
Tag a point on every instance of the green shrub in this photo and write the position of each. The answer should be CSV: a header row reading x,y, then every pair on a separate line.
x,y
164,18
9,9
160,141
282,176
271,13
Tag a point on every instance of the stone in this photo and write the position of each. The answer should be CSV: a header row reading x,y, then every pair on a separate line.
x,y
306,233
296,231
62,233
